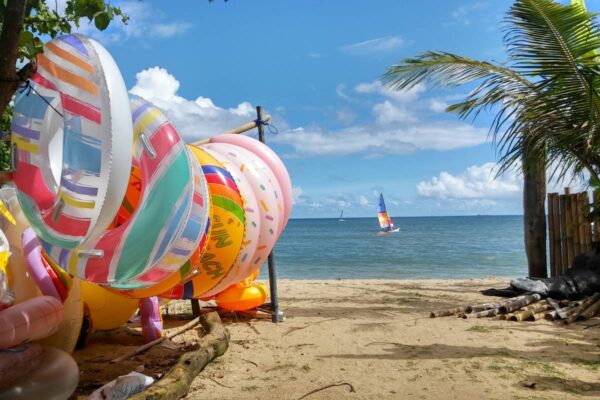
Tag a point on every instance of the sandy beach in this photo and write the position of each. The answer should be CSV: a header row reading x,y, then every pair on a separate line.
x,y
376,336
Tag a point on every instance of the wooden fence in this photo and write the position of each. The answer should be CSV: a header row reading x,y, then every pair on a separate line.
x,y
571,231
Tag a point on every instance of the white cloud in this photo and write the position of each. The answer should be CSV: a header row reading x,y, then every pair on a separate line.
x,y
401,96
364,202
387,113
340,90
378,140
479,182
378,45
345,116
438,106
194,119
314,54
463,15
145,21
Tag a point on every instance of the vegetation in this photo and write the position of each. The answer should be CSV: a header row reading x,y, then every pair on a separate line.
x,y
544,99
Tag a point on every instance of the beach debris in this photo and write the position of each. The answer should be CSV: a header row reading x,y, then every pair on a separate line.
x,y
148,345
528,307
327,387
176,383
122,387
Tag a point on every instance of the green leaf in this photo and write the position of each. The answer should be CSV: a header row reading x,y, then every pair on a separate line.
x,y
101,21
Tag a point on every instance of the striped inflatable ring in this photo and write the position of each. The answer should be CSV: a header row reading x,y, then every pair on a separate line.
x,y
267,192
150,245
226,230
69,166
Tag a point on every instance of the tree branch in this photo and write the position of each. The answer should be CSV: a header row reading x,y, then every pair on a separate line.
x,y
9,46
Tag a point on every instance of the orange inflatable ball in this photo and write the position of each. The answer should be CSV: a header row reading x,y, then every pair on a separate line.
x,y
241,297
108,310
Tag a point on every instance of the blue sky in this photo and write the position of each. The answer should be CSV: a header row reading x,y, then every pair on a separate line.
x,y
315,67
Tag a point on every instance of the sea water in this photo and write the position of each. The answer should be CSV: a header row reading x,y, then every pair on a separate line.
x,y
425,248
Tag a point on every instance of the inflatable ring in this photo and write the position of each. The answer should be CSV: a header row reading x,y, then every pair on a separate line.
x,y
242,297
55,378
226,230
266,154
147,247
242,263
108,310
31,320
266,189
71,143
66,336
40,272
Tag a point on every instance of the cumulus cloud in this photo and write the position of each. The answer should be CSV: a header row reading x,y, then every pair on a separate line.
x,y
378,45
195,119
377,141
438,106
480,182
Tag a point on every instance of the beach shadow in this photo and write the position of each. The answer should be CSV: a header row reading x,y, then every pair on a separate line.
x,y
552,383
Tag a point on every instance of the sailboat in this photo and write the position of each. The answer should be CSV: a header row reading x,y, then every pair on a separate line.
x,y
341,218
385,222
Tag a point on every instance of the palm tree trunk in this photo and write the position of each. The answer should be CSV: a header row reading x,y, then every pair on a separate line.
x,y
534,212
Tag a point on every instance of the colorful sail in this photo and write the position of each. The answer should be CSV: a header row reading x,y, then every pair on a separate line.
x,y
385,222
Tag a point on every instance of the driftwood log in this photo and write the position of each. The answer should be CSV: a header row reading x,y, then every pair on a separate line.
x,y
517,303
176,383
590,311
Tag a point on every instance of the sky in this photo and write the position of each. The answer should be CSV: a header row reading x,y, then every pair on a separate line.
x,y
316,67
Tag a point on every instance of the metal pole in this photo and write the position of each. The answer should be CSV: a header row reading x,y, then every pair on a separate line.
x,y
276,314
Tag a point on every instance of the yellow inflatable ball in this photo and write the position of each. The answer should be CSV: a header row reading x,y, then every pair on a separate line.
x,y
108,310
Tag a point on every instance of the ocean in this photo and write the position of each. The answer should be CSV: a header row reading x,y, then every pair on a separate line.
x,y
425,248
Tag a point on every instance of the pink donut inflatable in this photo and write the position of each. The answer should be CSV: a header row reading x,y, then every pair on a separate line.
x,y
270,158
18,362
31,320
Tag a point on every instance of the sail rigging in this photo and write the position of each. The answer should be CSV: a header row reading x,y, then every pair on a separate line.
x,y
385,222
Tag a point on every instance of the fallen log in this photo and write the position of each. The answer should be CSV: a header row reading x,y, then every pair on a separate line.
x,y
566,311
515,304
176,383
481,314
581,308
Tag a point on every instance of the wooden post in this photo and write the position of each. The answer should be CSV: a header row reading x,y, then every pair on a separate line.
x,y
563,233
584,225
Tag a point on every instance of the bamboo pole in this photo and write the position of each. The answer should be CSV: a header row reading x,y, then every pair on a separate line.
x,y
590,311
596,221
554,315
575,222
581,308
587,229
556,229
481,314
525,315
511,316
447,312
513,305
563,233
552,231
236,131
569,229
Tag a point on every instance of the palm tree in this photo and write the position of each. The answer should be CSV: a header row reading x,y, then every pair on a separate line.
x,y
544,99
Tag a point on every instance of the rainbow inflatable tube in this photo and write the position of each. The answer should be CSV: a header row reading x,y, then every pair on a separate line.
x,y
31,320
265,153
163,231
55,378
68,166
226,230
267,192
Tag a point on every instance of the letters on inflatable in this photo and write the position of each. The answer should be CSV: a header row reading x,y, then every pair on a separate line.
x,y
69,166
55,378
226,230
